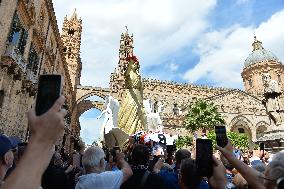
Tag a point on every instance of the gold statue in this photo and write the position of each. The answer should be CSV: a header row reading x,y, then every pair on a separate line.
x,y
131,115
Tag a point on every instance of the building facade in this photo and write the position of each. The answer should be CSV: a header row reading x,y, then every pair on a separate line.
x,y
243,111
30,45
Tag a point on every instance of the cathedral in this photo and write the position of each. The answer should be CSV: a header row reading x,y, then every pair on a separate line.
x,y
30,45
243,111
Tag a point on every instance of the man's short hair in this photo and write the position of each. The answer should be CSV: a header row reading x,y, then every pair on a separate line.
x,y
182,154
190,176
140,155
93,156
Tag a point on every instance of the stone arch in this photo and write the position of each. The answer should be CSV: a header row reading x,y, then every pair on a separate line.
x,y
261,127
86,105
241,124
85,92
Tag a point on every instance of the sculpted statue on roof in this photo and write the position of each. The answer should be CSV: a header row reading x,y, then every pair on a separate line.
x,y
272,100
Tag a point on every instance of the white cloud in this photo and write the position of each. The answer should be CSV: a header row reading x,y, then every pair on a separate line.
x,y
90,129
160,27
222,53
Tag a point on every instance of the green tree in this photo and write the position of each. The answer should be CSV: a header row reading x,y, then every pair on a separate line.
x,y
238,140
202,115
183,141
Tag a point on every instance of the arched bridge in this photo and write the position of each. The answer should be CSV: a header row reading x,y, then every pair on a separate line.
x,y
84,92
85,105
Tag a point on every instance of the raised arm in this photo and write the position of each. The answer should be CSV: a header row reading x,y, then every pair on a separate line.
x,y
124,166
45,131
251,175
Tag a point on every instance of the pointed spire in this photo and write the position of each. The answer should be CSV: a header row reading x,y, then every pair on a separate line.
x,y
126,45
257,45
74,15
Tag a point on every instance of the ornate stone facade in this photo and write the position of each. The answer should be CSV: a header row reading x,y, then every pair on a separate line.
x,y
30,45
243,111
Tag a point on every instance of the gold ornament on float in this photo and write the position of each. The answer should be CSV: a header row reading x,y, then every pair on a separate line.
x,y
131,115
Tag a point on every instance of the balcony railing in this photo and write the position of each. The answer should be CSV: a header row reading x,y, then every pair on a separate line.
x,y
13,53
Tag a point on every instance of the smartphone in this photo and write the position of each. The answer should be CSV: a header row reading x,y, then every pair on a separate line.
x,y
261,146
221,136
49,90
114,151
204,161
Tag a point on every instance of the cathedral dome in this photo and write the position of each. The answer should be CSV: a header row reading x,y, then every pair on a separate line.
x,y
259,54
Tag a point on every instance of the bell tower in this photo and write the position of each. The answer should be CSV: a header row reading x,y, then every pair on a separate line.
x,y
117,79
71,38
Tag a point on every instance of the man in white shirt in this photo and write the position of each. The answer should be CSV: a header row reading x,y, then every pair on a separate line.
x,y
96,176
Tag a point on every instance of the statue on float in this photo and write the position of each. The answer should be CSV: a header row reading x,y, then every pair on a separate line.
x,y
131,115
272,100
154,122
110,112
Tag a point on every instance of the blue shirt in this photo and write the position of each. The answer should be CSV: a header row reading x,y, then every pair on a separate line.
x,y
171,179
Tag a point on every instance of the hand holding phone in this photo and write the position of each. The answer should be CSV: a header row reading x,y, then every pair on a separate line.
x,y
204,161
221,136
49,90
261,148
114,151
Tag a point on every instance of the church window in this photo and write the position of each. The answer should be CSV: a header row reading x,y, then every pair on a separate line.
x,y
18,35
33,60
71,32
1,98
241,130
175,109
69,52
250,82
156,107
67,117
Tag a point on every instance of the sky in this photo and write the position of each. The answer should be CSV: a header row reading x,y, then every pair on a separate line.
x,y
202,42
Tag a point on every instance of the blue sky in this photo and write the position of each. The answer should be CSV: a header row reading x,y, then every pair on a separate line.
x,y
204,42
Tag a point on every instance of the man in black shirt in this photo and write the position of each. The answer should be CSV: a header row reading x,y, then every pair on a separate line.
x,y
142,178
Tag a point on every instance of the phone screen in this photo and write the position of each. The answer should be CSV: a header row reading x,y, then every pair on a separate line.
x,y
221,136
49,89
261,146
204,153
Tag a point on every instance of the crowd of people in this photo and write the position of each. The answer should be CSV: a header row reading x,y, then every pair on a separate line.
x,y
37,164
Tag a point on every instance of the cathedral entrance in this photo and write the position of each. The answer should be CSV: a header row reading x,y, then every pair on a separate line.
x,y
242,125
